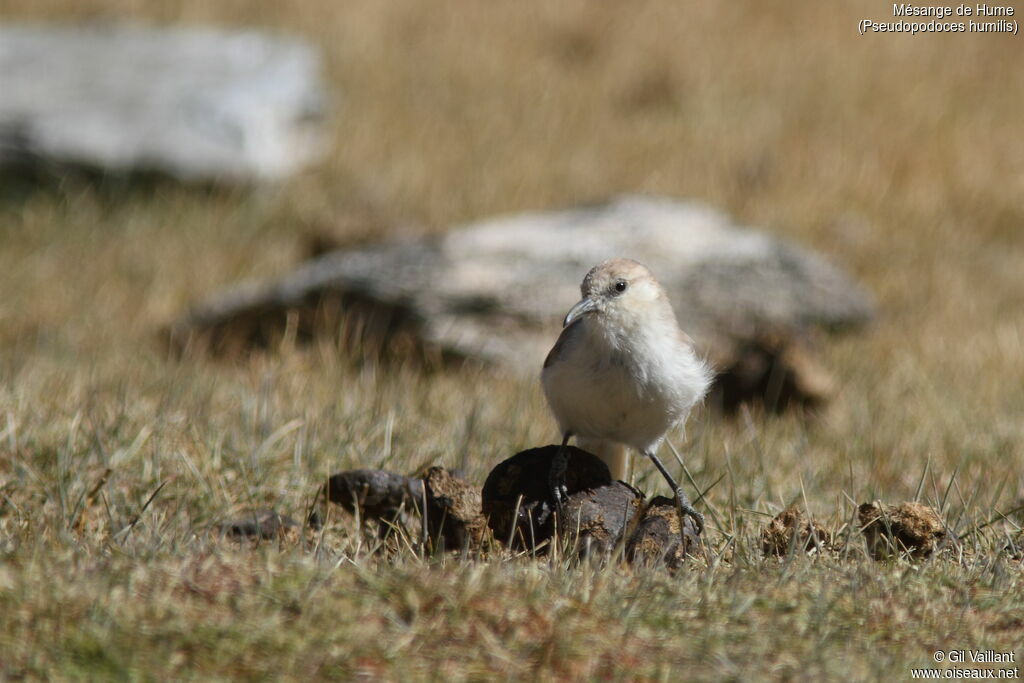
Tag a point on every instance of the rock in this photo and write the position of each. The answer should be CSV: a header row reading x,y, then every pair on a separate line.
x,y
264,524
656,538
791,529
453,512
519,507
496,291
199,104
375,494
891,530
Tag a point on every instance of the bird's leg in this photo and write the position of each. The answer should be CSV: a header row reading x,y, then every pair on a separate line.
x,y
556,476
682,501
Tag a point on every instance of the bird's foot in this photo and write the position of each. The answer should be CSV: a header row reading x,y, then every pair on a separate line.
x,y
686,509
556,478
560,494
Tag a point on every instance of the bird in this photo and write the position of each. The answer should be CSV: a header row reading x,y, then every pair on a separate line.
x,y
622,374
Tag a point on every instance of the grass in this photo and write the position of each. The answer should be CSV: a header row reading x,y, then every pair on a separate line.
x,y
898,156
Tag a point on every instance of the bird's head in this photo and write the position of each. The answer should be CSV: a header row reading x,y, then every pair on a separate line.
x,y
621,289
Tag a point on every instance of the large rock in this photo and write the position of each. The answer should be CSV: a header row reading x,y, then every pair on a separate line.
x,y
195,103
496,290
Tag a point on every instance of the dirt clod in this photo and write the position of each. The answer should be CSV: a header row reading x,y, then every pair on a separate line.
x,y
891,530
791,528
656,539
376,493
597,518
454,518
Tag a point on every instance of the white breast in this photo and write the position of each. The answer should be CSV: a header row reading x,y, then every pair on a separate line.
x,y
602,388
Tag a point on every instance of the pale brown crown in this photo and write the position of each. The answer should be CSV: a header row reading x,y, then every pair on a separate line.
x,y
603,276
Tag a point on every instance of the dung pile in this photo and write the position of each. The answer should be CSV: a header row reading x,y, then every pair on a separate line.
x,y
602,518
515,508
792,530
908,528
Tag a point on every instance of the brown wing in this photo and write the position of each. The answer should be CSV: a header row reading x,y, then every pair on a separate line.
x,y
565,338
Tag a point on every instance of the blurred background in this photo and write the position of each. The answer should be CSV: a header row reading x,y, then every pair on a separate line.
x,y
899,157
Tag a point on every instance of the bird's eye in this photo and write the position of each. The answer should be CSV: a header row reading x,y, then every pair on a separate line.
x,y
620,286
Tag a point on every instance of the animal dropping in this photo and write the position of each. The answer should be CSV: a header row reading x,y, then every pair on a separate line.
x,y
793,531
909,528
521,512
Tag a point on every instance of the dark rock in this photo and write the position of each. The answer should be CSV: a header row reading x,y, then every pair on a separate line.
x,y
657,539
264,524
791,529
892,530
519,507
376,494
454,519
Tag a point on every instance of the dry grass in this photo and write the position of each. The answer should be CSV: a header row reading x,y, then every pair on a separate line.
x,y
899,156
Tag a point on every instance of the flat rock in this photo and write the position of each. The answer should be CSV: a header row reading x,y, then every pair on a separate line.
x,y
497,290
520,509
199,104
910,528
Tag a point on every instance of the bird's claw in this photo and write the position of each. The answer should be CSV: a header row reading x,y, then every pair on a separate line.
x,y
560,494
556,477
687,510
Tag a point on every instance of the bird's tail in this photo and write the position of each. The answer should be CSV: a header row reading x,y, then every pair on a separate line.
x,y
615,455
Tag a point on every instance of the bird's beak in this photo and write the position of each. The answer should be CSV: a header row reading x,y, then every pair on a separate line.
x,y
579,310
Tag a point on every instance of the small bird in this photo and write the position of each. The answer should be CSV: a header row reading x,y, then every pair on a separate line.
x,y
622,373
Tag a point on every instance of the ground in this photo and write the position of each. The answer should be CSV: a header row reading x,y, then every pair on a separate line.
x,y
898,156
